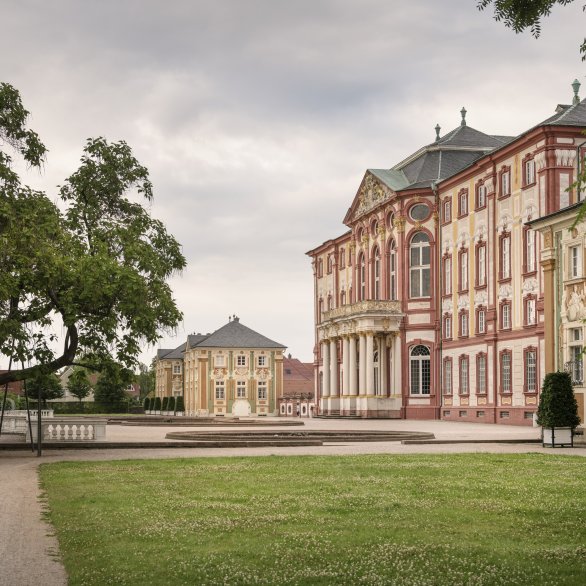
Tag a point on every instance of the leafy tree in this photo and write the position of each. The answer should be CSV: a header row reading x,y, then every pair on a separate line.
x,y
557,404
97,270
79,384
111,386
522,14
49,386
146,379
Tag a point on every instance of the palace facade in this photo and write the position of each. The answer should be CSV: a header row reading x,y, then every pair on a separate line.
x,y
232,371
431,305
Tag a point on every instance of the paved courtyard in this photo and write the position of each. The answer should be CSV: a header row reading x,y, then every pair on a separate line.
x,y
29,551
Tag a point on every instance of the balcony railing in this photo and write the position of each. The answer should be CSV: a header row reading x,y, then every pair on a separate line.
x,y
378,307
576,370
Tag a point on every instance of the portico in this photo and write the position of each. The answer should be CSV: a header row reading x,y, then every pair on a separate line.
x,y
361,360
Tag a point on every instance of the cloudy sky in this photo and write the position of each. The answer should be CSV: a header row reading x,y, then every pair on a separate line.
x,y
258,118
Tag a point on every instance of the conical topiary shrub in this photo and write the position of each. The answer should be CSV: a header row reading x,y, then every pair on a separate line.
x,y
179,405
171,405
157,403
147,404
557,408
165,403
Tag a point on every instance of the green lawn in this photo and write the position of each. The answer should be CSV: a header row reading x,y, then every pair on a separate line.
x,y
473,519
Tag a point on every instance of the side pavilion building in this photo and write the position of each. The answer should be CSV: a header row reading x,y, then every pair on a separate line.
x,y
432,304
233,371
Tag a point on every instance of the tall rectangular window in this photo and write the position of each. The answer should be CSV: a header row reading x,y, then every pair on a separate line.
x,y
506,316
531,371
575,367
220,390
463,202
575,262
505,183
464,324
241,360
241,389
447,377
529,172
463,271
506,372
506,257
262,361
530,264
481,374
530,311
262,390
448,327
448,210
464,374
481,321
481,196
393,274
481,265
448,275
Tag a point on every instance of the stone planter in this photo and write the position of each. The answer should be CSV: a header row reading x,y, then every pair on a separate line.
x,y
557,437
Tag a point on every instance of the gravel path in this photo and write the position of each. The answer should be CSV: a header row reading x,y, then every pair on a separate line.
x,y
28,549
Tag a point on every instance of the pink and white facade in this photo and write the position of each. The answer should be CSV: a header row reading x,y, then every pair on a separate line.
x,y
431,305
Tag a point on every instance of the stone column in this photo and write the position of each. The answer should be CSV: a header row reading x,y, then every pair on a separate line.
x,y
345,366
362,365
382,365
352,374
369,363
326,368
334,376
396,350
549,313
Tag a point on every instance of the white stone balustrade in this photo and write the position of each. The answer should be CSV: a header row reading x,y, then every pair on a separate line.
x,y
70,429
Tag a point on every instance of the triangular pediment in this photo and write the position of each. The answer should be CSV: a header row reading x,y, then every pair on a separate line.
x,y
377,186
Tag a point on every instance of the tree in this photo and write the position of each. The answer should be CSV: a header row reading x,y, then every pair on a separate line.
x,y
146,379
49,386
97,270
557,404
79,384
521,14
110,390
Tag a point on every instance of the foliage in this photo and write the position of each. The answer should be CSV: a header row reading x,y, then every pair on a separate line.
x,y
48,385
146,379
147,404
79,384
479,519
112,384
179,405
557,404
98,270
171,404
157,404
520,15
164,403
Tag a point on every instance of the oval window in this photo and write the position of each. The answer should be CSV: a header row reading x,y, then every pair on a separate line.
x,y
419,212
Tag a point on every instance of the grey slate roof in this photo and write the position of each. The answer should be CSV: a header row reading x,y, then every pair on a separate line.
x,y
574,115
236,335
194,339
175,354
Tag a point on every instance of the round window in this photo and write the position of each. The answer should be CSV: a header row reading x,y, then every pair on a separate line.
x,y
419,212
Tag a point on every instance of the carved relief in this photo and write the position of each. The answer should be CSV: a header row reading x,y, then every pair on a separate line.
x,y
463,302
505,292
218,373
573,303
504,224
463,239
480,233
530,285
447,245
539,159
565,157
263,374
530,212
547,238
447,305
241,371
371,195
481,298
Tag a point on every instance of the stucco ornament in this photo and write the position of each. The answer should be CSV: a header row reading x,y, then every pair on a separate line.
x,y
565,157
530,285
480,233
218,373
505,291
447,305
504,224
575,306
463,302
463,239
263,374
242,371
481,298
371,195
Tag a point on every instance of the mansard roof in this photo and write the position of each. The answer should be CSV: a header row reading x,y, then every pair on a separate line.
x,y
236,335
173,354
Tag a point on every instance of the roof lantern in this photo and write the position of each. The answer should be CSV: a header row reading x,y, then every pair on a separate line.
x,y
576,87
463,112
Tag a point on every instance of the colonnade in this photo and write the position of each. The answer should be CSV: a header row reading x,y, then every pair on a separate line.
x,y
359,376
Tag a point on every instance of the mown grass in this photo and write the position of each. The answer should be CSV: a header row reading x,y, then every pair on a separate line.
x,y
473,519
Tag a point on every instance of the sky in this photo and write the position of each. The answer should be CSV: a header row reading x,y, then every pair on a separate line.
x,y
258,118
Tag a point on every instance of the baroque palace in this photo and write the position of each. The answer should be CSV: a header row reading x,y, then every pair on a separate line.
x,y
438,302
232,371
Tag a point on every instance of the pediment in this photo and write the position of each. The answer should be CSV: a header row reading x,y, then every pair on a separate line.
x,y
371,193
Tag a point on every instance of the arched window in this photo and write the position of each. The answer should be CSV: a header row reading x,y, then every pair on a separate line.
x,y
362,278
419,265
376,274
420,362
392,271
